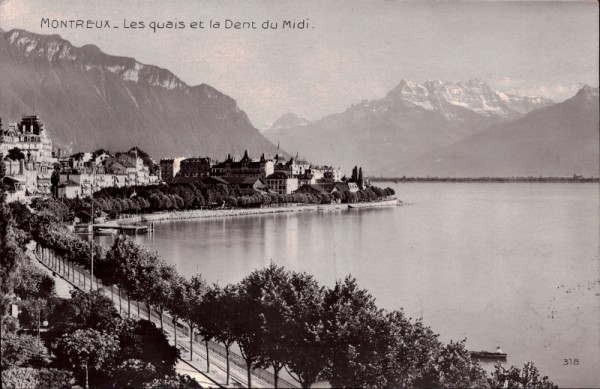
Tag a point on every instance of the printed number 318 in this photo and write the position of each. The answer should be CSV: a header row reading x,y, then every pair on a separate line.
x,y
571,361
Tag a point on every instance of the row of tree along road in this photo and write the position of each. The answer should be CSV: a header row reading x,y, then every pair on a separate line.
x,y
279,319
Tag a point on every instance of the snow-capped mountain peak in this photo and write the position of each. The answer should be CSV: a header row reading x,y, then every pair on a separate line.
x,y
289,120
474,95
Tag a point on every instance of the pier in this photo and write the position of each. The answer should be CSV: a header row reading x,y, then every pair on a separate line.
x,y
132,228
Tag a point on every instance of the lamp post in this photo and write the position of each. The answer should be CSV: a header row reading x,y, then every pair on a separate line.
x,y
92,221
40,323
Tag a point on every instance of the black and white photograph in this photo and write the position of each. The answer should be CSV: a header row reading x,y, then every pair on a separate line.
x,y
299,194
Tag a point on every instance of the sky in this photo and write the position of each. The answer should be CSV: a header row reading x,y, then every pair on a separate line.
x,y
350,50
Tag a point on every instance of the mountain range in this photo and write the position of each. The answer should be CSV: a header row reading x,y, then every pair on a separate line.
x,y
89,99
559,140
289,120
417,129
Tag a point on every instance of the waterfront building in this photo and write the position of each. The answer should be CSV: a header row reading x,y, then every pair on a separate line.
x,y
248,186
294,167
89,182
69,189
282,183
246,167
32,163
324,188
313,189
326,173
29,136
169,167
15,188
195,167
306,179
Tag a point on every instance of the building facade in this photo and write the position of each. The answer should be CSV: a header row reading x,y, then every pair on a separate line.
x,y
29,136
245,167
195,167
282,183
26,151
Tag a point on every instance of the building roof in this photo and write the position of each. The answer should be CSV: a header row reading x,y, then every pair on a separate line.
x,y
311,188
205,160
251,191
214,181
31,123
10,180
332,186
186,180
68,183
278,176
83,212
243,180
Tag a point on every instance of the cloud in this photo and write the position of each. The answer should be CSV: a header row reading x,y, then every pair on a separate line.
x,y
230,56
13,13
509,82
555,92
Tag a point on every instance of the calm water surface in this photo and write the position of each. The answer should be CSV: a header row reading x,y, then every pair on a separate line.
x,y
510,265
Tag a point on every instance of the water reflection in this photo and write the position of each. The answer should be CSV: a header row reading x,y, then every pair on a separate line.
x,y
482,261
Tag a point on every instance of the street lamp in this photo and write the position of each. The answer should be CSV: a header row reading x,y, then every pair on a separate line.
x,y
92,221
41,323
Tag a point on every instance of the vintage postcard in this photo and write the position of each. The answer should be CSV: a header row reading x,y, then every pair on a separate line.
x,y
357,193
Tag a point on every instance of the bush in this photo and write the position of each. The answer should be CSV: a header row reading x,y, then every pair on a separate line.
x,y
18,350
27,377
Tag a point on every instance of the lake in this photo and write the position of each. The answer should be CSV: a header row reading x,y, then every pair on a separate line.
x,y
513,265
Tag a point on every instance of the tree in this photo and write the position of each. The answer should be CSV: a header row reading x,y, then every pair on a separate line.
x,y
15,154
409,351
161,287
455,368
120,265
84,310
193,294
141,340
354,331
87,349
360,180
175,301
304,352
33,311
144,278
528,377
29,377
263,343
133,373
247,325
10,254
226,317
34,283
21,350
176,381
208,327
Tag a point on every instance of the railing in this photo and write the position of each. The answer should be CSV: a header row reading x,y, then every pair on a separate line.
x,y
81,278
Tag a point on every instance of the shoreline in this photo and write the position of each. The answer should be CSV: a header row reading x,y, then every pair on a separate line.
x,y
542,180
214,213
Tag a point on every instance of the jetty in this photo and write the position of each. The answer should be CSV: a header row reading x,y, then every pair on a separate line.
x,y
131,228
381,203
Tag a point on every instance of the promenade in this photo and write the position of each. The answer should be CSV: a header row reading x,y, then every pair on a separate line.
x,y
233,212
193,363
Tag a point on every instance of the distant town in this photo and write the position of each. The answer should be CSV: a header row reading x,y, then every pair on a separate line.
x,y
34,168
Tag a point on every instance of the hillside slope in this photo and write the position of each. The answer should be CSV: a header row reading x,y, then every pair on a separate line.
x,y
89,99
560,140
